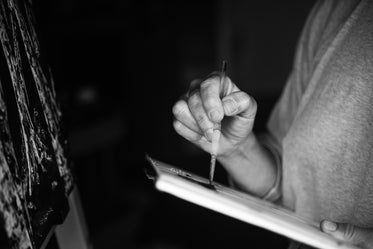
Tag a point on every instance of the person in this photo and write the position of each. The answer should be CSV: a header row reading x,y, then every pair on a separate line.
x,y
316,158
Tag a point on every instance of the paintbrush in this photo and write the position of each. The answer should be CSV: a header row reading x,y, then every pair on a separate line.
x,y
216,131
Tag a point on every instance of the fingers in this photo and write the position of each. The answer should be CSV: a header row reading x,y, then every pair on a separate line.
x,y
348,232
193,86
240,103
210,95
189,134
199,114
202,108
182,114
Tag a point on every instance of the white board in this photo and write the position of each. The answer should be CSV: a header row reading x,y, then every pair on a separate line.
x,y
241,206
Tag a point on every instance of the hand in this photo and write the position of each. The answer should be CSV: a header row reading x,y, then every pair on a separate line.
x,y
205,106
361,237
211,102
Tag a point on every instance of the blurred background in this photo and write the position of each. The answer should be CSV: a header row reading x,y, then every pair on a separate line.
x,y
119,66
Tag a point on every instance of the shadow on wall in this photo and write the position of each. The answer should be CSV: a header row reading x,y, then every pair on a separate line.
x,y
119,66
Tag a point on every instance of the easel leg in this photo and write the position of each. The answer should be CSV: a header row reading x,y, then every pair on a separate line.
x,y
73,233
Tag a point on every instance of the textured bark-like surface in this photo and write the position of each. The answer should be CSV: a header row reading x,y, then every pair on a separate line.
x,y
34,176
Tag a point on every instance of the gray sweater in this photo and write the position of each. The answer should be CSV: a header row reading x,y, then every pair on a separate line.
x,y
323,123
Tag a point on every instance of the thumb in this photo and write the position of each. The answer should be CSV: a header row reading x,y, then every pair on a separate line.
x,y
241,110
348,232
240,103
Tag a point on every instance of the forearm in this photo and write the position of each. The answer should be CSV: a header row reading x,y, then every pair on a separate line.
x,y
251,166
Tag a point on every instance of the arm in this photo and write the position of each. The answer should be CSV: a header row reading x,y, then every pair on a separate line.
x,y
254,168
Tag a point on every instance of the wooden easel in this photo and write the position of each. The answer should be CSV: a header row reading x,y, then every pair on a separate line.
x,y
73,233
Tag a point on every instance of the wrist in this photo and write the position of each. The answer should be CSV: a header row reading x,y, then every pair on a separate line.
x,y
251,166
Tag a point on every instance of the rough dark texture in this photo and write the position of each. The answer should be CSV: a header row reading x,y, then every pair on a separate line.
x,y
34,176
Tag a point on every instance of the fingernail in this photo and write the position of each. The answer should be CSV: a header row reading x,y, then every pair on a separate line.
x,y
208,134
329,226
215,115
229,106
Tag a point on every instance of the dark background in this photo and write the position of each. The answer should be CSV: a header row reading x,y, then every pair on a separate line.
x,y
119,66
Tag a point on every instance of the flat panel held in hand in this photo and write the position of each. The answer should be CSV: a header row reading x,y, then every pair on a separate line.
x,y
241,206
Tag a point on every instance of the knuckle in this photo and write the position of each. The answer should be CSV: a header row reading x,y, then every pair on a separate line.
x,y
214,75
194,95
210,102
203,122
194,101
349,232
207,83
192,92
201,119
228,80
